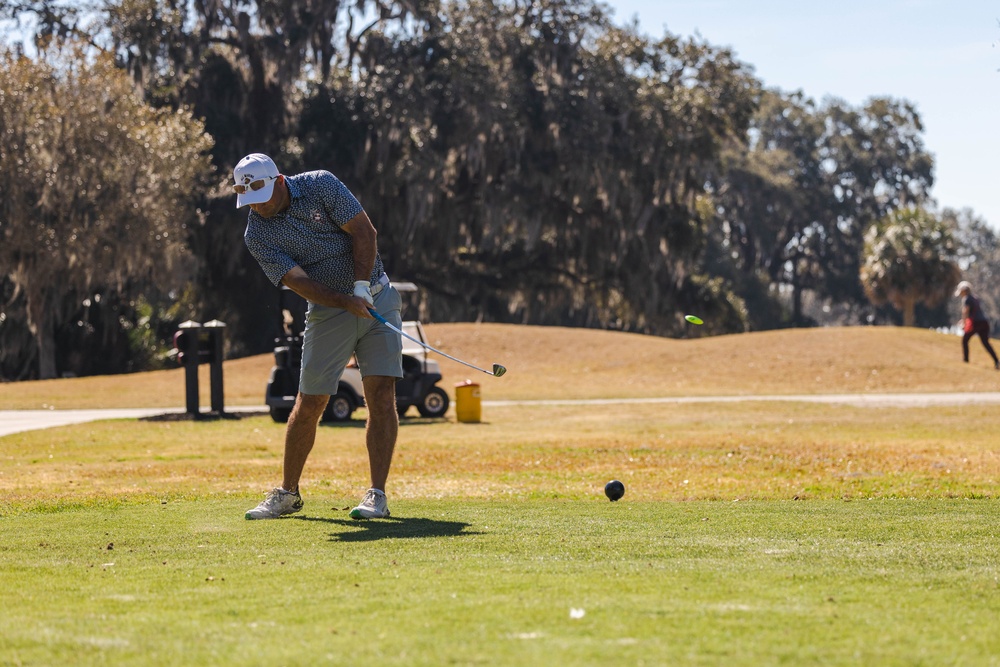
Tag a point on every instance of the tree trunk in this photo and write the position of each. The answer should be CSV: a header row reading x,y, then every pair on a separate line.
x,y
909,306
41,325
796,294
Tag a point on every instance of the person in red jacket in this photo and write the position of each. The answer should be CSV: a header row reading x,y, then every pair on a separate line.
x,y
975,322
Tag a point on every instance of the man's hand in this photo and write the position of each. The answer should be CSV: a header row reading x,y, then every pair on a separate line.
x,y
363,290
358,307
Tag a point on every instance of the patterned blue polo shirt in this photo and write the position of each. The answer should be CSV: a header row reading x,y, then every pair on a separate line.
x,y
308,233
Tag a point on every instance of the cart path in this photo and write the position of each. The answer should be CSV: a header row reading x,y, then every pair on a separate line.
x,y
857,400
17,421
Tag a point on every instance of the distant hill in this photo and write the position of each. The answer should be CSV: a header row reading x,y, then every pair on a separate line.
x,y
556,362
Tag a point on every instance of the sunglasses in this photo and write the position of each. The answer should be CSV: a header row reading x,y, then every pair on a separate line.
x,y
255,185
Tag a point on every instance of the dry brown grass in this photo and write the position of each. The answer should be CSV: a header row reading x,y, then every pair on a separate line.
x,y
560,363
769,450
735,451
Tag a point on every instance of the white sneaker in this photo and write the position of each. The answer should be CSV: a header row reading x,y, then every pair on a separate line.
x,y
374,506
277,503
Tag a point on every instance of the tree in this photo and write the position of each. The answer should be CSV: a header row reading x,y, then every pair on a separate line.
x,y
797,194
524,161
770,197
875,162
240,67
907,260
550,165
97,186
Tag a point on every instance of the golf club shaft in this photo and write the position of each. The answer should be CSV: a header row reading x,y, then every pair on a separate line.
x,y
423,344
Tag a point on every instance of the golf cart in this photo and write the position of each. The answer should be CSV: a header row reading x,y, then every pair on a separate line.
x,y
418,387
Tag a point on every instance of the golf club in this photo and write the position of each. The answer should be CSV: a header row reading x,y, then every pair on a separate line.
x,y
497,371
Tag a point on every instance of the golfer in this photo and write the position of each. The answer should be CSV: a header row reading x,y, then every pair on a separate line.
x,y
974,322
308,232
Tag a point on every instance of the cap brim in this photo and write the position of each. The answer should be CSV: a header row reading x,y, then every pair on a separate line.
x,y
256,196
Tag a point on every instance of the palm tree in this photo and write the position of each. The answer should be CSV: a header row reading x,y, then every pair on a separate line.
x,y
907,260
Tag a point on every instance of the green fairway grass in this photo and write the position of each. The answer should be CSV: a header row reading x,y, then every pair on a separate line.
x,y
514,582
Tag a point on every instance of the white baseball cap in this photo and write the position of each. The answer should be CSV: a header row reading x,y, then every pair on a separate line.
x,y
961,286
255,176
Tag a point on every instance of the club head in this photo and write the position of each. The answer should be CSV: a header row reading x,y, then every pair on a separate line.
x,y
498,370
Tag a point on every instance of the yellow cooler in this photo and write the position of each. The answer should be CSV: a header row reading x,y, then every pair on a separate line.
x,y
468,405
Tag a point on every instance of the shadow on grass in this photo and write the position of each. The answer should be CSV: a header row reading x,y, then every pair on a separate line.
x,y
236,416
202,416
392,528
403,422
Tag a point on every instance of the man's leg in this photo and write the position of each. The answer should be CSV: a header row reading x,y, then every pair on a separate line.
x,y
965,345
382,427
983,329
380,436
379,356
300,436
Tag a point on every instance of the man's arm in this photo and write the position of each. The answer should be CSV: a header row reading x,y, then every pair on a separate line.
x,y
363,238
299,282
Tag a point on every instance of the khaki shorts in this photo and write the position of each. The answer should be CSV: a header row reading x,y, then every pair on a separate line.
x,y
332,335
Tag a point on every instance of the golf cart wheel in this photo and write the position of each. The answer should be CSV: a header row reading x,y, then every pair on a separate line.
x,y
280,415
434,404
340,408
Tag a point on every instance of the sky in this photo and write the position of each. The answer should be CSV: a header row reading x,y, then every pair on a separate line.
x,y
943,56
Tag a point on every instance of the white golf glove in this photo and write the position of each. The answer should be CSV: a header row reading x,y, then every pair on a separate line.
x,y
364,290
